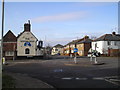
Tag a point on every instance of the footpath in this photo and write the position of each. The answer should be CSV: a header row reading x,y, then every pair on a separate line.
x,y
24,81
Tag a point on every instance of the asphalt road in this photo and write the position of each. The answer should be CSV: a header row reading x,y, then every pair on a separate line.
x,y
64,73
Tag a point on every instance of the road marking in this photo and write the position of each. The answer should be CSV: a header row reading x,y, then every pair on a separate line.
x,y
112,82
77,65
81,78
98,78
67,78
58,70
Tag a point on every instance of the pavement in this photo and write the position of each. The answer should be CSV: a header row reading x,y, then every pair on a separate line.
x,y
28,82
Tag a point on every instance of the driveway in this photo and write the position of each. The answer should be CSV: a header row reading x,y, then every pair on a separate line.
x,y
64,73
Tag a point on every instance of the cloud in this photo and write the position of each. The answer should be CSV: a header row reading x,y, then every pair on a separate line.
x,y
60,17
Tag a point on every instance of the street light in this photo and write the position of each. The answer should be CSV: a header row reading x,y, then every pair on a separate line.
x,y
2,43
2,29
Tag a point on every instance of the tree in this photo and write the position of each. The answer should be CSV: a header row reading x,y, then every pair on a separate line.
x,y
93,37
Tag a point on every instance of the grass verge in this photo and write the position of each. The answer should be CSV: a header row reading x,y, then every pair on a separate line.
x,y
7,81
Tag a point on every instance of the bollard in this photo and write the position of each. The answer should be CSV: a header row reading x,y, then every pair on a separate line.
x,y
3,60
91,58
96,60
70,55
75,60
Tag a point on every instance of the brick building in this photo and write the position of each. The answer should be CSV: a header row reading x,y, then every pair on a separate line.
x,y
9,45
84,46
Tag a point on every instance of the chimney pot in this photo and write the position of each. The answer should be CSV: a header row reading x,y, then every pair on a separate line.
x,y
113,33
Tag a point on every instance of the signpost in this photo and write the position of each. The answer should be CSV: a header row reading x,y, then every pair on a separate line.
x,y
75,51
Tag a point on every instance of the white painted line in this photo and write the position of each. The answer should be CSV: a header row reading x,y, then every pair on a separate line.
x,y
81,78
115,80
98,78
67,78
112,82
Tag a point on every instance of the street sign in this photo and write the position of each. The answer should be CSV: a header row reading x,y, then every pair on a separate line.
x,y
75,50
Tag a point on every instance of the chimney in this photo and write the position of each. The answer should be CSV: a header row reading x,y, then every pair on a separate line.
x,y
113,33
86,37
27,26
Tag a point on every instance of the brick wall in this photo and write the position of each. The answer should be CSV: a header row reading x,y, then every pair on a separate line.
x,y
115,52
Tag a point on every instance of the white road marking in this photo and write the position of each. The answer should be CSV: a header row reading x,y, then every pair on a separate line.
x,y
81,78
98,78
67,78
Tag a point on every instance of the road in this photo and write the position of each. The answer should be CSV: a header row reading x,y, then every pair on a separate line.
x,y
64,73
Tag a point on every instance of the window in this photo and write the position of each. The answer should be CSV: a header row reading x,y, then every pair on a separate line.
x,y
95,45
56,49
9,53
27,51
80,52
109,42
115,43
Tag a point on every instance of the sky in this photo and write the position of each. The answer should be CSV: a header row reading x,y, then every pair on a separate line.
x,y
61,22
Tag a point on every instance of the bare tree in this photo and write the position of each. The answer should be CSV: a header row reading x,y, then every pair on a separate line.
x,y
93,37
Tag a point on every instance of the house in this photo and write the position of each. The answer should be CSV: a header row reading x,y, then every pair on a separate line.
x,y
9,45
57,49
69,48
83,46
107,43
26,42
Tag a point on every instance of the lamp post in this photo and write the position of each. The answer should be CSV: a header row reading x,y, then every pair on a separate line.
x,y
2,30
2,44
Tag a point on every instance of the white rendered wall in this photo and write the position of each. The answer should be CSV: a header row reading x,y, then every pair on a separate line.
x,y
26,36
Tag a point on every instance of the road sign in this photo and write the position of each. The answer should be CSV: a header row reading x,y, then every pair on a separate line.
x,y
75,50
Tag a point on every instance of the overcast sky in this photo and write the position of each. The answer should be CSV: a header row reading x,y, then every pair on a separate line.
x,y
61,22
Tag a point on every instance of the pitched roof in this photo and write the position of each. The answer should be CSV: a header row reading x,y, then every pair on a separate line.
x,y
23,32
82,40
85,41
58,46
75,41
9,37
109,37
